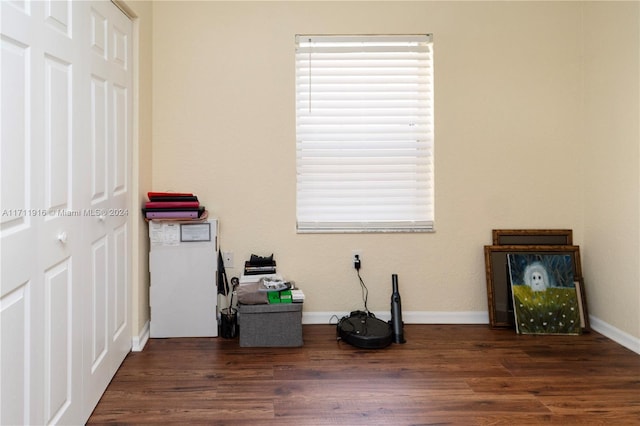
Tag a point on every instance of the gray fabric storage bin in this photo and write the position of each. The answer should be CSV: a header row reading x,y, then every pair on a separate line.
x,y
278,324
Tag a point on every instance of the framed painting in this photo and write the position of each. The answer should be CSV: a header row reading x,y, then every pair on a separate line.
x,y
545,299
532,237
499,296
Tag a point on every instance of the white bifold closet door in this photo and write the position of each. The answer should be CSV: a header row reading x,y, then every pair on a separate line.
x,y
66,107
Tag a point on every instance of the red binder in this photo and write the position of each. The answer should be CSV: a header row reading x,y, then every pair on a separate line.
x,y
171,204
152,194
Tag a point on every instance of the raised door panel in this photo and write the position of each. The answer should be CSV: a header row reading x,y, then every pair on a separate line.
x,y
99,140
59,333
120,286
58,16
19,212
58,135
15,165
98,322
15,366
120,132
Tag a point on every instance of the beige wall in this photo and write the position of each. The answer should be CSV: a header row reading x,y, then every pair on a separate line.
x,y
509,144
611,249
143,24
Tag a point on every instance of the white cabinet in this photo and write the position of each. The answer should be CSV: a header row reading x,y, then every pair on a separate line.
x,y
183,266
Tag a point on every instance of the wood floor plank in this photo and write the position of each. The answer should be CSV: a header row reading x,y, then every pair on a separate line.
x,y
550,385
444,374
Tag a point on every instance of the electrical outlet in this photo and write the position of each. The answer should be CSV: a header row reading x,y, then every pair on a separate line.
x,y
354,253
227,259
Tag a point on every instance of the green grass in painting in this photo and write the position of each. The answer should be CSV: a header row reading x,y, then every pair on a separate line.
x,y
554,311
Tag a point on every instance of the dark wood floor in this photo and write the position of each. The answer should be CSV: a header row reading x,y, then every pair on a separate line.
x,y
444,374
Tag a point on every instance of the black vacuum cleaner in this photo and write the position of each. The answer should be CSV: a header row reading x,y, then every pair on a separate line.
x,y
363,330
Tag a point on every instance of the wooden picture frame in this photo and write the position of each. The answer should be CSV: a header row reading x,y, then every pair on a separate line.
x,y
582,297
499,286
532,237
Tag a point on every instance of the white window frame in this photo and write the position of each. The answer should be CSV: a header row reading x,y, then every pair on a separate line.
x,y
364,133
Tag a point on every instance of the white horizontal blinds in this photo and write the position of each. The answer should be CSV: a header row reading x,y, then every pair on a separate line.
x,y
364,109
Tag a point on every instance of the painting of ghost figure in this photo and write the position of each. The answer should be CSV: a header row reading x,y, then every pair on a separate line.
x,y
545,300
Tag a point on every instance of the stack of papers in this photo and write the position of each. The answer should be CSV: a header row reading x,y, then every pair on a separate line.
x,y
253,279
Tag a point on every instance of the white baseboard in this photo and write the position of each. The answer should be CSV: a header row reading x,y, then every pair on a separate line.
x,y
408,317
628,341
138,342
425,317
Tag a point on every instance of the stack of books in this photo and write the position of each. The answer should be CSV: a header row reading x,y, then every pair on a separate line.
x,y
258,265
172,205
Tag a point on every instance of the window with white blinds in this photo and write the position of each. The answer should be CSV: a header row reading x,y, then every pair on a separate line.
x,y
365,137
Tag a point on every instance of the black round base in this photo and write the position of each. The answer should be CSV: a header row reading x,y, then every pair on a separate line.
x,y
363,330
